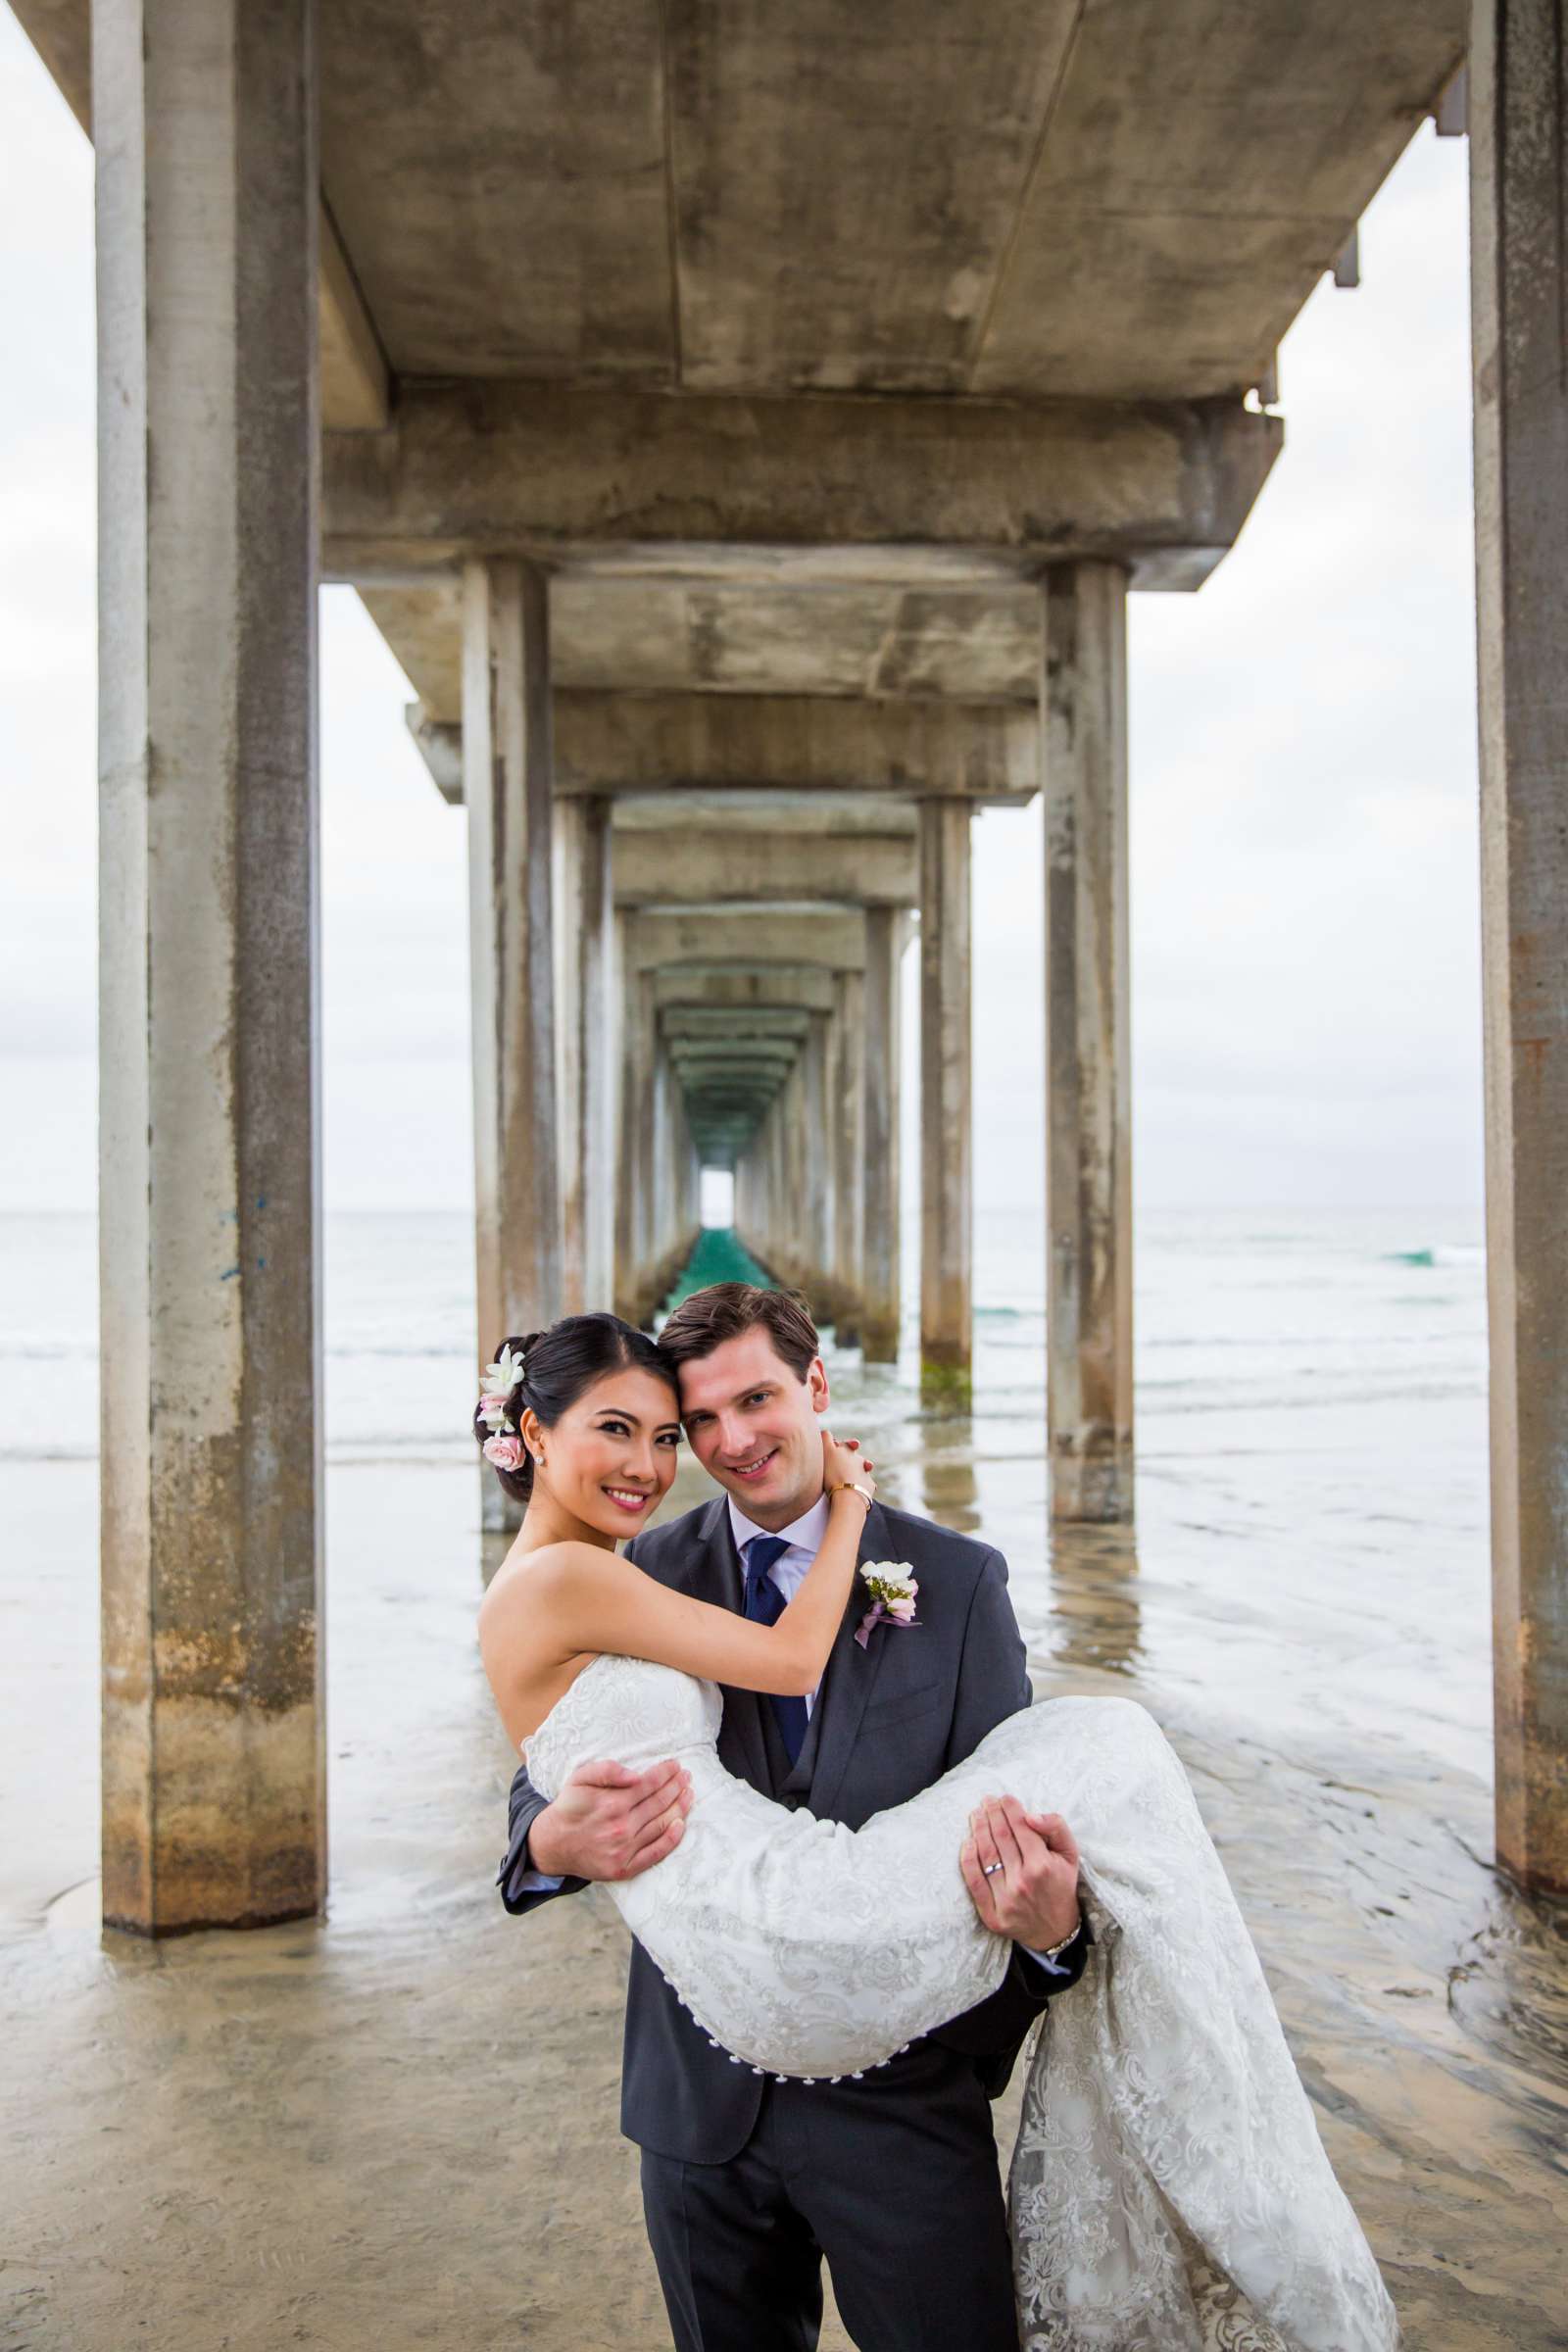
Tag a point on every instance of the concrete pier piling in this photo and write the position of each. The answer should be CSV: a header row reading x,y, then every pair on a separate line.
x,y
1517,129
213,1781
947,1146
508,789
1088,1305
881,1211
585,949
849,1156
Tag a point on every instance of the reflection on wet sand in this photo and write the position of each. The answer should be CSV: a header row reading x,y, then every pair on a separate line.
x,y
1095,1616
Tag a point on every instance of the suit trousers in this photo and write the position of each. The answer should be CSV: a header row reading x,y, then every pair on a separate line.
x,y
896,2185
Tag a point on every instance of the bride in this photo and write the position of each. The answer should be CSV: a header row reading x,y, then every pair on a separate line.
x,y
1168,2188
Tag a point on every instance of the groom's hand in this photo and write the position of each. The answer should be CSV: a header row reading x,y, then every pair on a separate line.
x,y
1021,1870
610,1823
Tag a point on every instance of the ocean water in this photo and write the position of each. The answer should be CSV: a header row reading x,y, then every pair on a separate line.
x,y
1311,1437
1238,1316
1236,1312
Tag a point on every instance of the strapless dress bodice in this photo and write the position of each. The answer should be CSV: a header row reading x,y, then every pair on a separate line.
x,y
626,1709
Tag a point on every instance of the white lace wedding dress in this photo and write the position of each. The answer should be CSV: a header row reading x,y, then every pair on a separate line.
x,y
1169,2190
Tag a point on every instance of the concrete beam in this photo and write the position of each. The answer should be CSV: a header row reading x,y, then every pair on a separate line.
x,y
668,636
821,816
439,744
713,1109
60,31
876,870
657,743
700,1023
733,1085
827,489
708,1057
806,932
743,749
729,989
355,378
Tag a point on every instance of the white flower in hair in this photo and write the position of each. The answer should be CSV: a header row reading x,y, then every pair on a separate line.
x,y
503,1376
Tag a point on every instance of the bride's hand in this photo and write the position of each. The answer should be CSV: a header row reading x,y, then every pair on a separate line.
x,y
843,1461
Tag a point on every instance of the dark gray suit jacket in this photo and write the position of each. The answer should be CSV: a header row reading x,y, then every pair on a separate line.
x,y
889,1720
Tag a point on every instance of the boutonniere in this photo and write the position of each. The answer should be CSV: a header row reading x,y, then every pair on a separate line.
x,y
892,1590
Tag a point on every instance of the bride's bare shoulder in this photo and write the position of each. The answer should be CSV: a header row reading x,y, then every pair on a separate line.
x,y
534,1580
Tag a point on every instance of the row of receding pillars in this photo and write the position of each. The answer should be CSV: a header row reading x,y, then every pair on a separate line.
x,y
762,1033
214,1804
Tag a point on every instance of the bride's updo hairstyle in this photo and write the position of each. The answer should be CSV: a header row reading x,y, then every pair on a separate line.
x,y
544,1373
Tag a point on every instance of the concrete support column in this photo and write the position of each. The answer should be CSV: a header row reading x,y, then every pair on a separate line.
x,y
816,1160
674,1167
782,1260
671,1222
793,1237
1521,445
756,1225
508,788
585,941
640,1141
1089,1303
694,1181
785,1121
660,1217
758,1230
625,999
767,1188
748,1221
849,1147
947,1205
794,1222
214,1771
879,1164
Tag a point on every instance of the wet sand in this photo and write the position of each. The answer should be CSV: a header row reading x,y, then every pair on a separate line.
x,y
397,2127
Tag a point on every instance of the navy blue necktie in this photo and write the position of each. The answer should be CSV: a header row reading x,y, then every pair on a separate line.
x,y
765,1602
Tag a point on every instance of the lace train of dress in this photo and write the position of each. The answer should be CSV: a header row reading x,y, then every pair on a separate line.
x,y
1169,2190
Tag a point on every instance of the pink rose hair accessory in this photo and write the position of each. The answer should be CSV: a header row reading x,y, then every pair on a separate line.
x,y
504,1451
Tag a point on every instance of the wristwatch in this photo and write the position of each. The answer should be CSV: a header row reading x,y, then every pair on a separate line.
x,y
851,1485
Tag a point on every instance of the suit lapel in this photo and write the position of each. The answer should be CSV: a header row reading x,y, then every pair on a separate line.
x,y
851,1677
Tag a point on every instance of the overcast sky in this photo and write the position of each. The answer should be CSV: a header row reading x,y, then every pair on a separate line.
x,y
1306,964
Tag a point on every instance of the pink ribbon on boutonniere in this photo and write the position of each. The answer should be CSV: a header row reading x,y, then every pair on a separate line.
x,y
893,1592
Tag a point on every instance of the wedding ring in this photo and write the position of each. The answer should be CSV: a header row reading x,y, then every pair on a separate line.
x,y
990,1869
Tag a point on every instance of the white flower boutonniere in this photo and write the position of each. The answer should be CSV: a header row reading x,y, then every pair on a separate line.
x,y
893,1588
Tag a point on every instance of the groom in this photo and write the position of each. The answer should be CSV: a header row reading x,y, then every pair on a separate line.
x,y
749,2182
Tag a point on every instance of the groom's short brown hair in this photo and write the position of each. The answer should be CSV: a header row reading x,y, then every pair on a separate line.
x,y
726,1309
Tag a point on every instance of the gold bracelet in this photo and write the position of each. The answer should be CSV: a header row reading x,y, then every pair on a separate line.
x,y
850,1486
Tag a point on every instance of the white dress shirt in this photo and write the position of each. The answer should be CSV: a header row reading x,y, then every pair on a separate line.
x,y
804,1535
